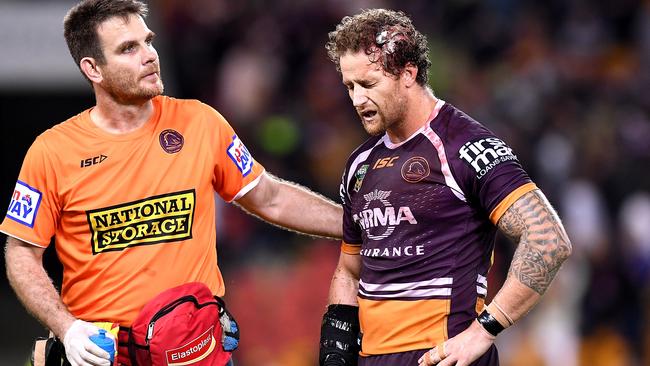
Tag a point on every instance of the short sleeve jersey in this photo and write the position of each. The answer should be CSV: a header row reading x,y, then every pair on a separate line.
x,y
132,214
422,216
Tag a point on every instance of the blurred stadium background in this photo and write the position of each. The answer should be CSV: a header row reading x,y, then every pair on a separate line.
x,y
564,82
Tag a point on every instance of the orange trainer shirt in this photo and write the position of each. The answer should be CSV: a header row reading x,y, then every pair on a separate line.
x,y
132,214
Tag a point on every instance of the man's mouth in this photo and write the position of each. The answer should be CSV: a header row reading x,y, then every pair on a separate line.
x,y
367,115
151,74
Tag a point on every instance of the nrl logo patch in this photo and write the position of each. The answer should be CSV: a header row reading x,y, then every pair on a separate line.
x,y
360,174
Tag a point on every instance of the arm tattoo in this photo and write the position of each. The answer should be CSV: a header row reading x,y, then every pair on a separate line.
x,y
543,244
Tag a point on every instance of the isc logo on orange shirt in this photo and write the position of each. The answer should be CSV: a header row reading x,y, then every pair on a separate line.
x,y
157,219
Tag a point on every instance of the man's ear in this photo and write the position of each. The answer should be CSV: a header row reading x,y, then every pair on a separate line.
x,y
409,75
91,69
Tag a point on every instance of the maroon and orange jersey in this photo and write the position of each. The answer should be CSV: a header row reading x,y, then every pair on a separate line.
x,y
422,214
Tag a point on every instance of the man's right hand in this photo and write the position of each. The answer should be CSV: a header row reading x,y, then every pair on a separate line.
x,y
80,350
339,336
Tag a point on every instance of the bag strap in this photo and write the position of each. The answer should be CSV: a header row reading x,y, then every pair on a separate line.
x,y
131,346
48,352
229,327
38,353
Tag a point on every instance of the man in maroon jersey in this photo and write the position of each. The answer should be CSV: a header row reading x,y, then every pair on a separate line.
x,y
423,199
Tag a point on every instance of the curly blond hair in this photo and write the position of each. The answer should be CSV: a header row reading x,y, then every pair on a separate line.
x,y
386,36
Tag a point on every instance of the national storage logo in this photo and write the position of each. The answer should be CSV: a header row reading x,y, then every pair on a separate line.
x,y
158,219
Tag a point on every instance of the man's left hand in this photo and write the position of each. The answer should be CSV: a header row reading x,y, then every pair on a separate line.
x,y
460,350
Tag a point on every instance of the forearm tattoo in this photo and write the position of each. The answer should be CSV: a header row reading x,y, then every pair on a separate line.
x,y
543,244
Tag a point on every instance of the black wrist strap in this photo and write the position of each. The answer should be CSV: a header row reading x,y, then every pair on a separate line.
x,y
339,345
347,313
490,323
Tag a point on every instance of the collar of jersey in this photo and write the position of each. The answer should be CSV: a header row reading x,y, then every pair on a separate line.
x,y
434,114
145,129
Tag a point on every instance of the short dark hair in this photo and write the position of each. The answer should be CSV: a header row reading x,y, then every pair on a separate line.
x,y
388,31
81,22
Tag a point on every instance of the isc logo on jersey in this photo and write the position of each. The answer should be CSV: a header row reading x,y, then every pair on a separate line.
x,y
240,156
24,205
158,219
485,154
380,222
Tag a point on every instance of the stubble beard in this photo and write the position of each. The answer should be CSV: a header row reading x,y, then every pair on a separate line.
x,y
391,117
126,88
376,128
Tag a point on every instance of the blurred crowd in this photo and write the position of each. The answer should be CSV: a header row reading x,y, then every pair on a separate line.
x,y
563,82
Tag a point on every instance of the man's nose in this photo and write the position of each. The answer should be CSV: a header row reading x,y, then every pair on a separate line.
x,y
359,96
150,55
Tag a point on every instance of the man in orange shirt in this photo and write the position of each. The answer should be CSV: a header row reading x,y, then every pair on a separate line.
x,y
127,188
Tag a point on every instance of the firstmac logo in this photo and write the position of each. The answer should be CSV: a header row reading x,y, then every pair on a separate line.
x,y
485,154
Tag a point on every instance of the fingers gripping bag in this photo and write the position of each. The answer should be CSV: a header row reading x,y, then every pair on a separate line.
x,y
184,325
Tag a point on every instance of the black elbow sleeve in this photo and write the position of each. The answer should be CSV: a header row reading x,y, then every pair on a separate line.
x,y
339,336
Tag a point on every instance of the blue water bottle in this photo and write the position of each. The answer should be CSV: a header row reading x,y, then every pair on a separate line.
x,y
105,343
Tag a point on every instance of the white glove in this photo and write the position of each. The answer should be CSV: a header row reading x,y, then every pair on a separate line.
x,y
80,350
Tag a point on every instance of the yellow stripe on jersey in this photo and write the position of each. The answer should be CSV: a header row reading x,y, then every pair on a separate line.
x,y
386,328
112,328
501,208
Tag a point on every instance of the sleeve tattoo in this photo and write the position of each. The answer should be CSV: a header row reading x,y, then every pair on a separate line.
x,y
543,244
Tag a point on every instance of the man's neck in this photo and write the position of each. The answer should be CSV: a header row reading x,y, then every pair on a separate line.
x,y
116,117
420,106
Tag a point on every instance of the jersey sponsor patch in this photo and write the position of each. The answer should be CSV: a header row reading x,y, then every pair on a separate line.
x,y
485,154
240,156
379,217
158,219
24,205
392,252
